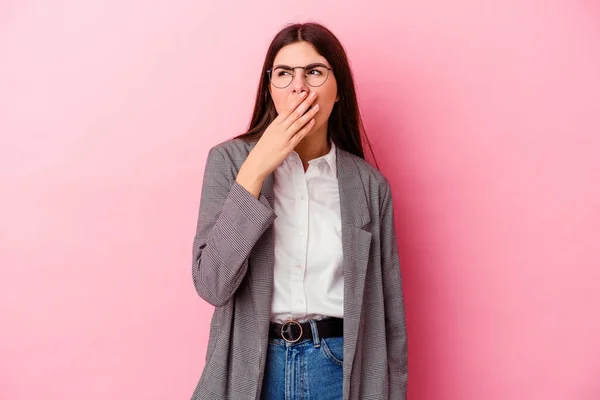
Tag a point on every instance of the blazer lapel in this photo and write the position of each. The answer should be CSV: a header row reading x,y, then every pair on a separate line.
x,y
356,244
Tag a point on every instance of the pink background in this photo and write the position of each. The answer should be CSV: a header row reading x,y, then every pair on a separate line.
x,y
485,116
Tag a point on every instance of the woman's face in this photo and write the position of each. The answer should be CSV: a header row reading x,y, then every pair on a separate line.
x,y
302,54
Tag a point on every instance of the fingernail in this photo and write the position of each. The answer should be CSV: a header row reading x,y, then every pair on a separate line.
x,y
313,95
303,94
316,107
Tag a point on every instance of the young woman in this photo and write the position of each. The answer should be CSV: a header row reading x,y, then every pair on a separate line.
x,y
295,244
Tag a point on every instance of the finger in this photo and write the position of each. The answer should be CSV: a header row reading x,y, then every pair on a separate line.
x,y
293,100
295,139
303,120
300,110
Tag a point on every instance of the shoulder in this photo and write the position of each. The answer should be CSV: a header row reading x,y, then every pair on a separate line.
x,y
232,152
232,148
372,178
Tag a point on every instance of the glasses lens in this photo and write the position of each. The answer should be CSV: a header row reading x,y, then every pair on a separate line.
x,y
316,76
281,77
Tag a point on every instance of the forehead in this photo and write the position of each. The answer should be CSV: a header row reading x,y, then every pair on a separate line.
x,y
298,54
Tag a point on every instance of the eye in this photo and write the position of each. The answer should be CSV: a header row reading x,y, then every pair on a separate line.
x,y
314,71
282,72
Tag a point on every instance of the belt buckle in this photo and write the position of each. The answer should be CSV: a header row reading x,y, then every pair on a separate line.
x,y
287,331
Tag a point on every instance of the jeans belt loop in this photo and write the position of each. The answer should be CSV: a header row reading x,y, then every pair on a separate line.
x,y
315,333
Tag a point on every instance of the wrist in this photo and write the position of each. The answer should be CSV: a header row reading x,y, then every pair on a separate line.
x,y
250,173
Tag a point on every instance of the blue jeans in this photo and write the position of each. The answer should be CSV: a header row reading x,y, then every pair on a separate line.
x,y
309,369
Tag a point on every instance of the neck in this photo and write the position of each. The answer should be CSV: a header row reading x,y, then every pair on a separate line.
x,y
313,146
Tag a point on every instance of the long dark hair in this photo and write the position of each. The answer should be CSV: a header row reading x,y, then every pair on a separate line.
x,y
345,127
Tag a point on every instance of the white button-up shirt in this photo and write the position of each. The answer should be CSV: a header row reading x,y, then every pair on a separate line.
x,y
308,275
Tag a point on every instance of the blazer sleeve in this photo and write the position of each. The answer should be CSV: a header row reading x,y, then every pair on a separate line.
x,y
230,222
397,350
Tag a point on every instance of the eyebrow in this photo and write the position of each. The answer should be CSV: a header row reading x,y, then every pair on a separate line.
x,y
315,64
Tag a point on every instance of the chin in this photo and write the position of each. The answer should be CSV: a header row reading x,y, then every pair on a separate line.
x,y
318,127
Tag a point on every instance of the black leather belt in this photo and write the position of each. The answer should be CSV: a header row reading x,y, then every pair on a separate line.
x,y
294,331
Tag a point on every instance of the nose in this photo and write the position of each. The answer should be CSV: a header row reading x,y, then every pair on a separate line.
x,y
298,84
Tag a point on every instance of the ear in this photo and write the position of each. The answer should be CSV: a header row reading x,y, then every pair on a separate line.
x,y
337,97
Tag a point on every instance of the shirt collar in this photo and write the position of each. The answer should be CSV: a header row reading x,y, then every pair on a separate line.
x,y
330,158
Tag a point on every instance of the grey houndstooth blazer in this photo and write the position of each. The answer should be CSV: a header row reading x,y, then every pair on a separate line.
x,y
233,270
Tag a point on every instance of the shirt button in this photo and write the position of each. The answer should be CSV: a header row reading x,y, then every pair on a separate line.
x,y
299,266
301,232
302,197
300,301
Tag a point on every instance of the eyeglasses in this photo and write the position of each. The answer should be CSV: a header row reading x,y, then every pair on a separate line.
x,y
281,76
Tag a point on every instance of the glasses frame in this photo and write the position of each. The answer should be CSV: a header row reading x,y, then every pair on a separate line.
x,y
270,70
